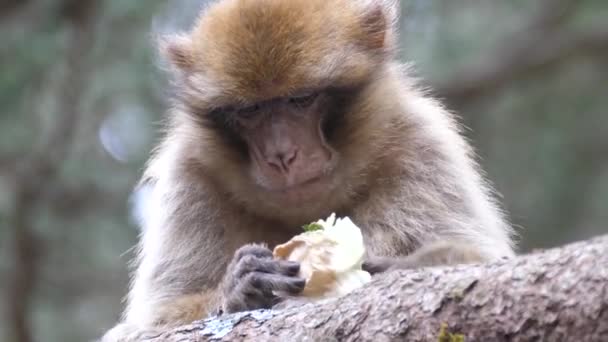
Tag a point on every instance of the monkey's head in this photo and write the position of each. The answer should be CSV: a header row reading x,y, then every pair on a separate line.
x,y
276,99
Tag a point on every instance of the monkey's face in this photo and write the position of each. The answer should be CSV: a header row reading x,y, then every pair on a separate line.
x,y
287,148
282,92
284,143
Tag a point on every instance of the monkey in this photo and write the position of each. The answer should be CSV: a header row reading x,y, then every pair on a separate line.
x,y
285,111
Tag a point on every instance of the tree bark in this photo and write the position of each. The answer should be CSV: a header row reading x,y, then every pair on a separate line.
x,y
555,295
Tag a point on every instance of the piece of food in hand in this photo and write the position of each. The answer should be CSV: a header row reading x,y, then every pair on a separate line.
x,y
330,253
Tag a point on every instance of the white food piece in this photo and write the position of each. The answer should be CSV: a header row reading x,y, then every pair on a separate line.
x,y
330,259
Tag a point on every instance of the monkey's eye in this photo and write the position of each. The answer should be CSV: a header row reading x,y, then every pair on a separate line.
x,y
248,112
303,101
220,113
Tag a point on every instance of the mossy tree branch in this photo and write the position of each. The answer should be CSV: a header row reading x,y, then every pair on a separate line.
x,y
555,295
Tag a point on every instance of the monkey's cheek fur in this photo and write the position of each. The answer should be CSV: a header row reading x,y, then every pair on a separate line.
x,y
330,259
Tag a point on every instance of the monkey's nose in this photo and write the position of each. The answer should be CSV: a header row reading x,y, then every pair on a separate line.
x,y
283,161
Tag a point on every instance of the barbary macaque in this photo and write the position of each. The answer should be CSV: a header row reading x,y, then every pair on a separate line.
x,y
286,111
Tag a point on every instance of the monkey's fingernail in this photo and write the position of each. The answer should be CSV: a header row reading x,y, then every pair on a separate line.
x,y
293,267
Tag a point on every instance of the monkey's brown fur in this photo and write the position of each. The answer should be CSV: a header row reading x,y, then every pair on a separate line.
x,y
406,176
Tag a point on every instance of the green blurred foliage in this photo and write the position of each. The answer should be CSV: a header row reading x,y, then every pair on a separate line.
x,y
541,139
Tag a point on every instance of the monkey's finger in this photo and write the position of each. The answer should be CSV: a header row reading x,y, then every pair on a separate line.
x,y
256,250
376,265
247,297
268,282
250,263
284,267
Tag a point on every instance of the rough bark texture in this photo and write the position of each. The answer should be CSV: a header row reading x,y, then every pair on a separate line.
x,y
555,295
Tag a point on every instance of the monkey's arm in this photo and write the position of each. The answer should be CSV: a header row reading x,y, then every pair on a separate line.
x,y
193,260
186,308
435,218
180,261
434,254
171,312
182,255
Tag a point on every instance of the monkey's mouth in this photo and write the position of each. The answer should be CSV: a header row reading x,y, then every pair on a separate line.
x,y
309,190
291,187
307,183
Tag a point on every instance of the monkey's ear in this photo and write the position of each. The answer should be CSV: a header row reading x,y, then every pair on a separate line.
x,y
380,21
177,50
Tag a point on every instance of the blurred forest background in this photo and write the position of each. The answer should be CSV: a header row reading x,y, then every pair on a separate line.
x,y
82,96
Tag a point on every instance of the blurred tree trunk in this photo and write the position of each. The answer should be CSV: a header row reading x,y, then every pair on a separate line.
x,y
36,173
556,295
541,44
8,6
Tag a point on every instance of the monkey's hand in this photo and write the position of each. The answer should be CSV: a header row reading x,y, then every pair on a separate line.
x,y
375,264
434,254
253,278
